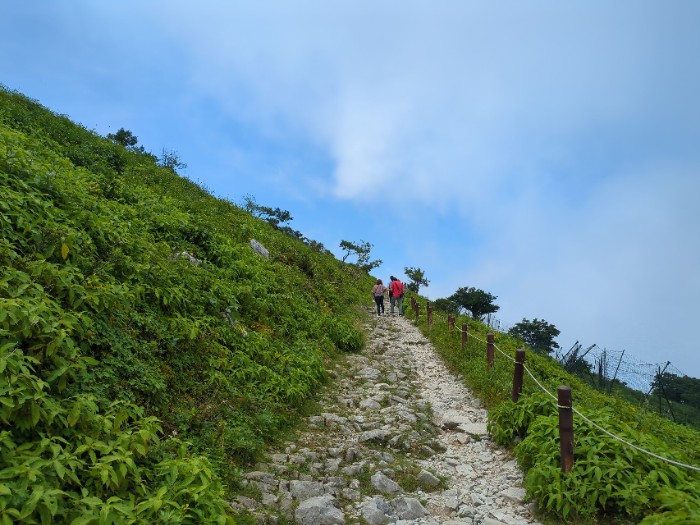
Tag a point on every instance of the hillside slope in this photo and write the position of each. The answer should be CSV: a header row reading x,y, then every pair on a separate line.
x,y
135,316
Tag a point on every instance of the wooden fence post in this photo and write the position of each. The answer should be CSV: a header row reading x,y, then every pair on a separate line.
x,y
464,335
489,349
566,428
518,375
417,311
450,323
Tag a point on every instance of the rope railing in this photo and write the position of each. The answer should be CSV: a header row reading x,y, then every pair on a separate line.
x,y
562,407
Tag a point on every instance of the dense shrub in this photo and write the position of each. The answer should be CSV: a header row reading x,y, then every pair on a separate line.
x,y
134,314
610,478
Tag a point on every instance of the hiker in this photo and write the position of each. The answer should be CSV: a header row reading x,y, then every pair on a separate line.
x,y
378,294
396,294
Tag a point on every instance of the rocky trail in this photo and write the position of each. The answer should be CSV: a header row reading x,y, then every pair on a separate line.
x,y
399,440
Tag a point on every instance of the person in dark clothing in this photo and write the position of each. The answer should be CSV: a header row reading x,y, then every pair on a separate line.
x,y
396,295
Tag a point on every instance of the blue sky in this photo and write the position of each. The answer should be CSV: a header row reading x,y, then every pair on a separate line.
x,y
546,152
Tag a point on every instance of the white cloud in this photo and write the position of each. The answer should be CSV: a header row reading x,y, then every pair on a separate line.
x,y
552,147
619,271
454,103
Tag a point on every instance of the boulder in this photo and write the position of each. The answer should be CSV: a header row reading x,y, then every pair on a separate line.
x,y
385,485
376,511
408,508
321,510
259,249
428,480
303,490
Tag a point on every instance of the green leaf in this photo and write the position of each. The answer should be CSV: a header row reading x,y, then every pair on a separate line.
x,y
74,414
36,413
45,514
119,418
60,469
31,503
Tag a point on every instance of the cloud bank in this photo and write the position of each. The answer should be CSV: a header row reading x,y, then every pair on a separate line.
x,y
561,141
545,153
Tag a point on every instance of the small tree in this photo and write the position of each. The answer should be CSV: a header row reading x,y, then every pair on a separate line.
x,y
475,301
170,159
127,139
315,245
362,251
538,334
681,389
274,216
417,277
124,137
445,305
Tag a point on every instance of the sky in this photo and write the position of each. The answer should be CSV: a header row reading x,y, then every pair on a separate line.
x,y
545,152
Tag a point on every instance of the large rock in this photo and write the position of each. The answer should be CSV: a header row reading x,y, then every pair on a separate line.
x,y
377,435
370,373
427,479
474,429
408,508
514,494
321,510
303,490
452,419
370,404
492,521
385,485
188,257
376,511
259,249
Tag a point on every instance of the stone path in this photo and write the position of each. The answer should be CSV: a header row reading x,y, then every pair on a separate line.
x,y
398,440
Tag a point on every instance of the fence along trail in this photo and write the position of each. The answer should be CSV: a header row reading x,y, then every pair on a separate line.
x,y
589,421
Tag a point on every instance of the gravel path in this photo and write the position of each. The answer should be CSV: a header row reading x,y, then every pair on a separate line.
x,y
399,440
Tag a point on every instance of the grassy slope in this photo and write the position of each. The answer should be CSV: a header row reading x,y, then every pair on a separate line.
x,y
98,308
112,347
610,480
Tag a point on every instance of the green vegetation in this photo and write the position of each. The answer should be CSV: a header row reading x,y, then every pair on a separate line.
x,y
610,479
147,352
676,398
417,278
538,334
362,252
477,302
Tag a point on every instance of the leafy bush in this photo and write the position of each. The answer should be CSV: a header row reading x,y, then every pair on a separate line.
x,y
609,478
343,334
134,314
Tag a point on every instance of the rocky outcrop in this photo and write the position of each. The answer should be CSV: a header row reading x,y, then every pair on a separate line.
x,y
188,257
259,249
319,510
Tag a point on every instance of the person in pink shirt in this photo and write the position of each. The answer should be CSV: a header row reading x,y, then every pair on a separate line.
x,y
378,294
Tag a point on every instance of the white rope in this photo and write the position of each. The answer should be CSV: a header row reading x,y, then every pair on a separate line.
x,y
640,449
540,384
592,423
504,354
